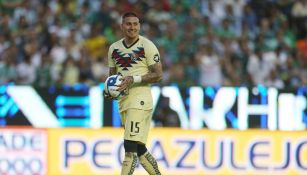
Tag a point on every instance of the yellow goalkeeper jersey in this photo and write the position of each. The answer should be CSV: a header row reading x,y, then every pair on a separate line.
x,y
134,60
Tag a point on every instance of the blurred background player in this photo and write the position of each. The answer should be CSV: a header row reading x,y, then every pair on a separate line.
x,y
138,60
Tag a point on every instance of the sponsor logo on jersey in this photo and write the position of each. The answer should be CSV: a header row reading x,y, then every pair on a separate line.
x,y
156,58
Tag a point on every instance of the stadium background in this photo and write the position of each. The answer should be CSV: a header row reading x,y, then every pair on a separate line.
x,y
232,99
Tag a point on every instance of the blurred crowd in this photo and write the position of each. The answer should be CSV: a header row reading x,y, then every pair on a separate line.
x,y
201,42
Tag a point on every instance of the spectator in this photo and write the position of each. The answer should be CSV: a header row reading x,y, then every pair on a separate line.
x,y
26,71
96,43
234,29
303,73
302,48
299,14
259,67
44,78
8,71
70,72
210,67
85,71
100,69
274,81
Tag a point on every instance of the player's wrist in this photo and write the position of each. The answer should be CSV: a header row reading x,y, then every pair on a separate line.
x,y
137,79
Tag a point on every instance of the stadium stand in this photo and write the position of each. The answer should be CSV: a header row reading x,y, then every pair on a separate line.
x,y
214,42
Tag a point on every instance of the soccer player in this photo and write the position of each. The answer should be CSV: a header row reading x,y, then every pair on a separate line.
x,y
137,59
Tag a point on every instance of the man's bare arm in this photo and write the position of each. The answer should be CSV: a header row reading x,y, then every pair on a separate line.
x,y
112,71
154,75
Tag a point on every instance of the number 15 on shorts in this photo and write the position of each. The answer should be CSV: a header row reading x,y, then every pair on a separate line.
x,y
135,127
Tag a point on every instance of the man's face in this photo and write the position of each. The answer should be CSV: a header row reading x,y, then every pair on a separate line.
x,y
131,27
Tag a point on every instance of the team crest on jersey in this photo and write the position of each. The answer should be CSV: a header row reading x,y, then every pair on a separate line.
x,y
126,60
133,56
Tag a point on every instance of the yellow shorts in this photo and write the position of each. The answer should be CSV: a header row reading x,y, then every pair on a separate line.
x,y
137,124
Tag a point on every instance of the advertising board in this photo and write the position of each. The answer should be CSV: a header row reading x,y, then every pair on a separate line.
x,y
181,152
23,151
195,107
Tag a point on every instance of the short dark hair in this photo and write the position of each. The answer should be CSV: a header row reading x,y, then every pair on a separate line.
x,y
129,14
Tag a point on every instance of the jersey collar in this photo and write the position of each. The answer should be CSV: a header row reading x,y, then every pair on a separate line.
x,y
127,47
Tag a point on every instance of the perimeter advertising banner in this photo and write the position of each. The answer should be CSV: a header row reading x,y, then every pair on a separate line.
x,y
76,151
189,108
23,151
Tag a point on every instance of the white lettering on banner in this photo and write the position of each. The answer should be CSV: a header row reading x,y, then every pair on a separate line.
x,y
258,153
245,109
156,92
284,111
23,151
176,103
290,111
96,109
287,116
215,116
33,106
38,108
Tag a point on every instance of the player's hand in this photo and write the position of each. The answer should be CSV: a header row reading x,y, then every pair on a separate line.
x,y
126,83
107,95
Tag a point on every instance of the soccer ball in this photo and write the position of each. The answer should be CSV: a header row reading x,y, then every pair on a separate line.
x,y
111,84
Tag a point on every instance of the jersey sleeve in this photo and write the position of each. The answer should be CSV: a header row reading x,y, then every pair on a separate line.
x,y
111,62
152,53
